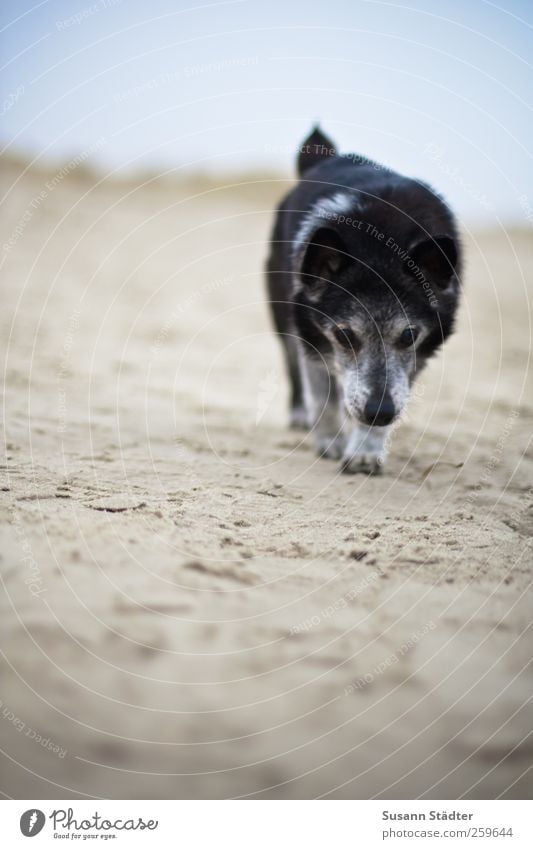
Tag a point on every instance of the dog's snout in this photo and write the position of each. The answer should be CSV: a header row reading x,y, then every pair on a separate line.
x,y
379,410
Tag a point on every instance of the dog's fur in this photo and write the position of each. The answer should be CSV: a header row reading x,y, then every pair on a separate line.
x,y
362,261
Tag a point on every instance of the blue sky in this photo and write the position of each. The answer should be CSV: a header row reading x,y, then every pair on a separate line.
x,y
441,92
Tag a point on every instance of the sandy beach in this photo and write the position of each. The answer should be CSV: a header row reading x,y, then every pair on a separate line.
x,y
193,604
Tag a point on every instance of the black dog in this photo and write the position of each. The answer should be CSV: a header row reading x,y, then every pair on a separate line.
x,y
363,279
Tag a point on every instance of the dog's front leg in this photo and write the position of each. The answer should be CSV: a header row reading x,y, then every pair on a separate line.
x,y
366,450
322,405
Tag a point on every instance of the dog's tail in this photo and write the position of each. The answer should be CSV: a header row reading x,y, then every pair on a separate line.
x,y
315,149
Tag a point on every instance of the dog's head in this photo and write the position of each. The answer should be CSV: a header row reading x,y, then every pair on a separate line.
x,y
376,307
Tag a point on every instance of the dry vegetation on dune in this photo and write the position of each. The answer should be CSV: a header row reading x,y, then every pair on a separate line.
x,y
194,605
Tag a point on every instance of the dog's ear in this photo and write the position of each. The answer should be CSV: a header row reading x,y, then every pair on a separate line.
x,y
325,256
314,149
437,257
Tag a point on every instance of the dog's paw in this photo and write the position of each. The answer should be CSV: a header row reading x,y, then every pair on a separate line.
x,y
299,419
364,463
330,446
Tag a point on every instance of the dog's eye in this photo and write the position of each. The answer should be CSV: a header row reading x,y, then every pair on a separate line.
x,y
347,338
408,337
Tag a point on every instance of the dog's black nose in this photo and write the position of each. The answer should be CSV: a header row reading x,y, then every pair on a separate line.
x,y
379,410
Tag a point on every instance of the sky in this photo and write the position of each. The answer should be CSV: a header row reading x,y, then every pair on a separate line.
x,y
437,91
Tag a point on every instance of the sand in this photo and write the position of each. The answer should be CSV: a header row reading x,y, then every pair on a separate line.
x,y
193,604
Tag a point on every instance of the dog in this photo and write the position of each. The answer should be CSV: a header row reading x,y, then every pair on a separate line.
x,y
363,279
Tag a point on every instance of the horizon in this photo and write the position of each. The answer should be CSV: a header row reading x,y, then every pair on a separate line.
x,y
245,90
